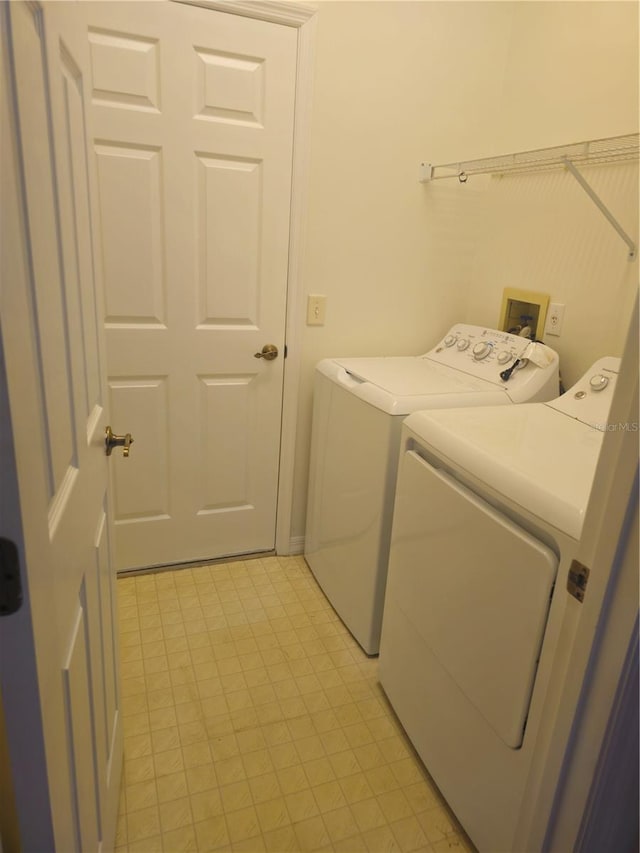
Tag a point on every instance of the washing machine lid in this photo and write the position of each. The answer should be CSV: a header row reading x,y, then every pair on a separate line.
x,y
402,384
532,454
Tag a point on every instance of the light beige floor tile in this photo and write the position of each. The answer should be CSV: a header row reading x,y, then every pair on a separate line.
x,y
212,834
250,845
410,834
382,840
329,796
310,748
170,761
137,746
421,796
356,787
368,814
301,805
265,788
139,770
236,796
224,746
257,763
172,786
282,840
395,806
319,771
292,779
311,834
354,844
143,823
382,779
436,823
250,740
201,778
407,771
453,844
147,845
340,824
196,754
188,712
206,804
272,814
176,814
243,824
182,840
141,795
369,756
165,739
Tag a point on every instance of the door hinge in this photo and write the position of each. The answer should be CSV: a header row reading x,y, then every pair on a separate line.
x,y
10,586
285,350
577,580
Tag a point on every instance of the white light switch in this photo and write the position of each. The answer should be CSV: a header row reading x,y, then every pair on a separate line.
x,y
316,309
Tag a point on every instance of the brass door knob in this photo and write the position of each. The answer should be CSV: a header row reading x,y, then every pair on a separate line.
x,y
112,440
268,352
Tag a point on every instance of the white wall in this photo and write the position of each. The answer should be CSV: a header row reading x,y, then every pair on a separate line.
x,y
571,75
401,82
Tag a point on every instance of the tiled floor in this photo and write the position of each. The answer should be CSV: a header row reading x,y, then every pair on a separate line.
x,y
253,721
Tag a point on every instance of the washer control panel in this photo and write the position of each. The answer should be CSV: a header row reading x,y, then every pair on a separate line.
x,y
589,400
488,353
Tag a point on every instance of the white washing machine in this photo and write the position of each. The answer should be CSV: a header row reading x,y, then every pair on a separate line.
x,y
359,406
489,511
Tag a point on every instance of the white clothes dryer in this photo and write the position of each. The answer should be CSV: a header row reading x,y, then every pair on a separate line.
x,y
359,406
488,516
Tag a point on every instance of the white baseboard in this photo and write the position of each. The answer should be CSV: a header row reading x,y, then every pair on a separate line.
x,y
296,546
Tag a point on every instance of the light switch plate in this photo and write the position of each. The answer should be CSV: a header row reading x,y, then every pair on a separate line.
x,y
316,309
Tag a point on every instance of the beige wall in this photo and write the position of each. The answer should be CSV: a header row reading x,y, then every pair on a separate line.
x,y
401,82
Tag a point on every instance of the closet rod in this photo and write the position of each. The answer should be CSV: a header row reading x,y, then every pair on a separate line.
x,y
614,149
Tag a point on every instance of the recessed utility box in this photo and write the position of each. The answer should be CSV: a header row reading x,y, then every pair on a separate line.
x,y
522,310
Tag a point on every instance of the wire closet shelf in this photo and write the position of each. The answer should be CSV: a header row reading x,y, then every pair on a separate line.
x,y
615,149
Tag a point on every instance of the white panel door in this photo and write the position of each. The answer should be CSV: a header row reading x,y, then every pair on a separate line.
x,y
72,754
193,117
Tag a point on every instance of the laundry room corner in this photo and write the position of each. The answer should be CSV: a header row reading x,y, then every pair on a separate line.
x,y
397,84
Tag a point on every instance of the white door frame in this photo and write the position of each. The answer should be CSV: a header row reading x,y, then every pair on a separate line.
x,y
302,17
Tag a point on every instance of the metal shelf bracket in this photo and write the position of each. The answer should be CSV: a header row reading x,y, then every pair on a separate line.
x,y
595,198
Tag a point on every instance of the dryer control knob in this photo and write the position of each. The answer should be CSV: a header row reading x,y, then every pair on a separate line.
x,y
504,356
463,343
598,382
481,350
450,340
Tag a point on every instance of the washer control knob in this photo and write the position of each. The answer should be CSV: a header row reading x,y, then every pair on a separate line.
x,y
450,340
463,343
504,356
481,350
598,382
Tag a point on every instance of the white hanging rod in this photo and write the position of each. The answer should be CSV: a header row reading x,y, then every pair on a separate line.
x,y
615,149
